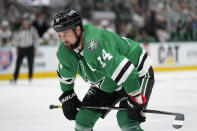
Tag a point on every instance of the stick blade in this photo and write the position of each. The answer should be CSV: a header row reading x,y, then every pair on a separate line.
x,y
179,120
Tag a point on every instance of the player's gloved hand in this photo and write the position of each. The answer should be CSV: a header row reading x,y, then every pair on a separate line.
x,y
70,103
135,105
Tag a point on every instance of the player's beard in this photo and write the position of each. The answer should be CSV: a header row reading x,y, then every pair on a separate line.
x,y
75,45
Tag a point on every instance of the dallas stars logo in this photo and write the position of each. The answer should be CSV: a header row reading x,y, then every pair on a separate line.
x,y
92,45
97,84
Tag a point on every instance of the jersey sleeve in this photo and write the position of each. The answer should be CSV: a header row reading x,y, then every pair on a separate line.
x,y
114,63
67,68
66,78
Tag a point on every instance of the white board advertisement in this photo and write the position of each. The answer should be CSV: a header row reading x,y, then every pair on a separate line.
x,y
173,54
162,55
45,60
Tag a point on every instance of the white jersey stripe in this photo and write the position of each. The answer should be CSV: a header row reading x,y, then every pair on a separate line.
x,y
146,66
119,68
125,75
67,80
141,57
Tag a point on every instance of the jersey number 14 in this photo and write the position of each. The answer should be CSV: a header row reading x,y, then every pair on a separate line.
x,y
105,56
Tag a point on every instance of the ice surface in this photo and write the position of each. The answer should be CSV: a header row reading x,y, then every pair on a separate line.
x,y
24,106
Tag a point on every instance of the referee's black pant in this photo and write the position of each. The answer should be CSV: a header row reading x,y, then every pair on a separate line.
x,y
24,52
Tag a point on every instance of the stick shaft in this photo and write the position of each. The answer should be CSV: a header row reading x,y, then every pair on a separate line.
x,y
119,108
178,122
125,109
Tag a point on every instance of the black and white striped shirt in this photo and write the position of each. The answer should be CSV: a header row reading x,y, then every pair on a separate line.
x,y
26,37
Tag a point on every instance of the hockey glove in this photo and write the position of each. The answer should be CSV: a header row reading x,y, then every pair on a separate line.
x,y
135,105
70,103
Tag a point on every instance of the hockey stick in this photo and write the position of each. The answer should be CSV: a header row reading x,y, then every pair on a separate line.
x,y
177,123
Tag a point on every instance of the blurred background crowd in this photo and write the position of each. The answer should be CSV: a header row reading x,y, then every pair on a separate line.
x,y
145,21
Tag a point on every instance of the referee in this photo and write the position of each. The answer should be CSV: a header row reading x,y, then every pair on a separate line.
x,y
25,40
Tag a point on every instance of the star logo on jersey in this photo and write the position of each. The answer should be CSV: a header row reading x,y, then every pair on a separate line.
x,y
99,83
92,45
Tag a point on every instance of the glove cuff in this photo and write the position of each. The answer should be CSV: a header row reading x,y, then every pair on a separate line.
x,y
139,99
67,95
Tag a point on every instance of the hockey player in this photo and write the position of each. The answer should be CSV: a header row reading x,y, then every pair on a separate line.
x,y
117,68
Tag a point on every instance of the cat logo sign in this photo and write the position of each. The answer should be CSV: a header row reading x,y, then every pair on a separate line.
x,y
169,60
168,54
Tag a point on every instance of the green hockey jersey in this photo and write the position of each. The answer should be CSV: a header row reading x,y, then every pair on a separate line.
x,y
107,61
